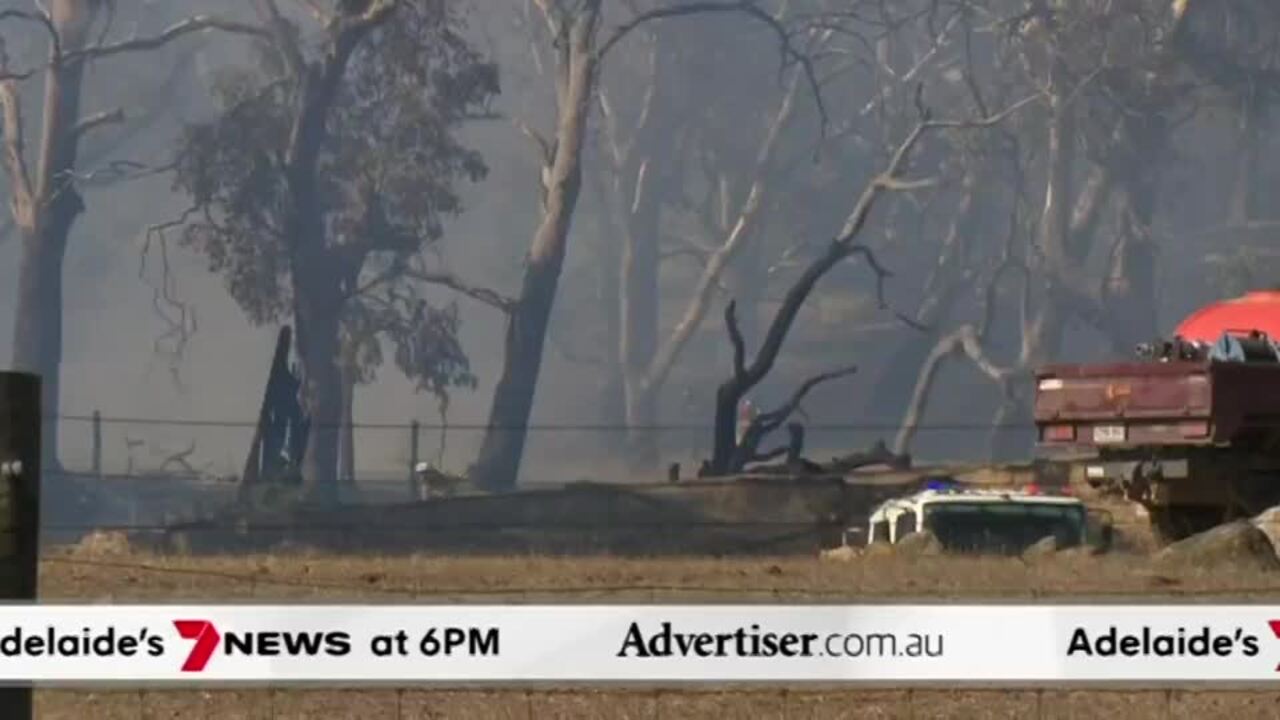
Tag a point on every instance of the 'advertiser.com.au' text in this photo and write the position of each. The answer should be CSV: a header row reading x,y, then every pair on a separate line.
x,y
755,642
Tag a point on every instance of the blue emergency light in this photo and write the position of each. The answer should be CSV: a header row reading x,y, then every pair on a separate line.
x,y
940,484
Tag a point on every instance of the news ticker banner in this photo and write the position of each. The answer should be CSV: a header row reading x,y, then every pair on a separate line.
x,y
657,643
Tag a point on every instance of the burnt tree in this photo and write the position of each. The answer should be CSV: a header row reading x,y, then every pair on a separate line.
x,y
727,454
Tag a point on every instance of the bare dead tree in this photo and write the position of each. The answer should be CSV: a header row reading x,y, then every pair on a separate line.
x,y
43,197
845,245
1109,106
646,373
574,33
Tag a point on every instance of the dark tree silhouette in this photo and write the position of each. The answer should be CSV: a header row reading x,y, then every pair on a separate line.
x,y
322,186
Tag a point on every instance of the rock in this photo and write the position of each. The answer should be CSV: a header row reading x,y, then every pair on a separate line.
x,y
1079,551
1269,523
918,544
102,544
844,553
1045,547
879,549
1239,545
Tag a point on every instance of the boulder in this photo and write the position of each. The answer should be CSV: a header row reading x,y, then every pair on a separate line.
x,y
1269,523
879,549
1238,545
101,543
1045,547
844,553
918,544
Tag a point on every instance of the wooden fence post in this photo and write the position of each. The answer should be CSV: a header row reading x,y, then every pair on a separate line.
x,y
97,445
414,492
20,427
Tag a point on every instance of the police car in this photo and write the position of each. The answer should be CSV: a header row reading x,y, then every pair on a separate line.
x,y
983,521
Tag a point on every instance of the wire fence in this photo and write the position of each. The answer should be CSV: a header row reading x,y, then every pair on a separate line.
x,y
864,424
116,446
722,703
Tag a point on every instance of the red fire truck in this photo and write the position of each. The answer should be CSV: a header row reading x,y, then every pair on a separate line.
x,y
1190,429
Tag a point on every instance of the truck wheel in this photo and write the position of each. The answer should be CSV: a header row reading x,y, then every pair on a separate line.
x,y
1177,522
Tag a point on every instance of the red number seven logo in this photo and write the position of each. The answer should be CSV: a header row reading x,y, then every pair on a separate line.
x,y
206,637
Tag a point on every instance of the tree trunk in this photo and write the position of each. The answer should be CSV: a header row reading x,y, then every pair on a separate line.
x,y
611,402
1244,190
639,329
347,443
643,184
1042,333
37,330
1131,282
497,465
321,390
908,363
46,224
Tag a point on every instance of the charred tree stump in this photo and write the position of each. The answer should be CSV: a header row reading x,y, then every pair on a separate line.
x,y
279,440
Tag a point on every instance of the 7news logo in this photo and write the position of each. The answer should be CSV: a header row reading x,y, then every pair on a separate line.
x,y
207,641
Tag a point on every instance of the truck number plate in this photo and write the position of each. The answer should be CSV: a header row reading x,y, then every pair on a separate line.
x,y
1108,434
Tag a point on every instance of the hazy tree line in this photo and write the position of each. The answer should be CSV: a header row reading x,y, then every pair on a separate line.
x,y
999,182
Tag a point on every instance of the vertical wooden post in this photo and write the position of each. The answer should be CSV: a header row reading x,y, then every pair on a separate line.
x,y
97,445
20,426
413,460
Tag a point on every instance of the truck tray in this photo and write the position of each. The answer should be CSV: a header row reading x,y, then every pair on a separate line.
x,y
1134,404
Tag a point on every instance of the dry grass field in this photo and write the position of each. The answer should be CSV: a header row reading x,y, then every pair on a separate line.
x,y
101,572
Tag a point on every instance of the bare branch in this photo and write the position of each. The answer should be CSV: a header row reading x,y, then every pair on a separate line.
x,y
790,54
22,202
845,244
718,260
891,175
178,316
375,13
117,171
897,185
545,150
882,273
965,340
735,338
43,20
690,245
321,15
284,41
775,418
748,450
98,120
485,295
198,23
181,458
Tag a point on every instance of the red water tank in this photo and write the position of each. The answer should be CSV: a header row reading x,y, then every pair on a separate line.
x,y
1255,311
